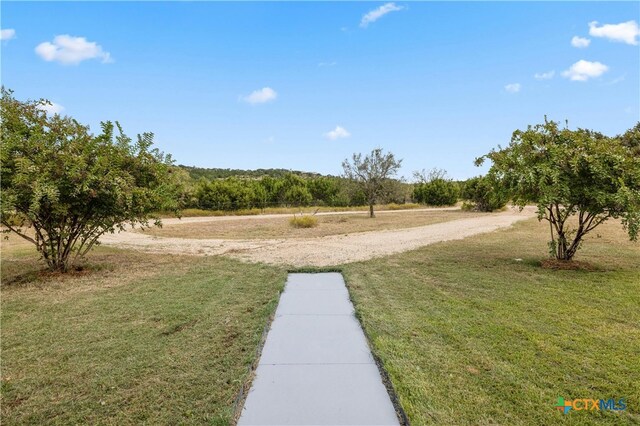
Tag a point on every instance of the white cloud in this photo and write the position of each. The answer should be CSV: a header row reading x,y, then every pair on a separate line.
x,y
625,32
327,64
338,133
544,75
266,94
7,34
52,109
513,87
69,50
584,70
378,13
580,42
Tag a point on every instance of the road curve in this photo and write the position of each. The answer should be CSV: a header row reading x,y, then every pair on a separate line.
x,y
321,251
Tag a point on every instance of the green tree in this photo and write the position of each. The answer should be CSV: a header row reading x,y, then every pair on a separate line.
x,y
372,173
483,194
435,189
297,195
69,186
324,189
571,174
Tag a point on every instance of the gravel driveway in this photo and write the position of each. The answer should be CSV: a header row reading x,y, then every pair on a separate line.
x,y
322,251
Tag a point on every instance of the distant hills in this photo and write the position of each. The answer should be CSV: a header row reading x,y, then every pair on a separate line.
x,y
199,172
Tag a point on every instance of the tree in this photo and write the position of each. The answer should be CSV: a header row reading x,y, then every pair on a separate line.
x,y
297,195
70,186
372,173
434,188
578,178
483,194
324,189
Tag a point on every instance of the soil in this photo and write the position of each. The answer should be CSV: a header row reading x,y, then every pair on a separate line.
x,y
320,251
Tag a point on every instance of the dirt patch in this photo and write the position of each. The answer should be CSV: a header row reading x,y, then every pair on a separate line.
x,y
322,251
279,226
567,265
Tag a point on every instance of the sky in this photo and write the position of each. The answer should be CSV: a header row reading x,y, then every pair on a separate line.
x,y
303,85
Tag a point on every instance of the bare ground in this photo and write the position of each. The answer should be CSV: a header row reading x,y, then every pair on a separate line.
x,y
319,251
278,226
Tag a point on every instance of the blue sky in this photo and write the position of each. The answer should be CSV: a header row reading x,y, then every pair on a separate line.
x,y
438,84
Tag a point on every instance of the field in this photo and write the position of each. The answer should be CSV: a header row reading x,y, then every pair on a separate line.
x,y
473,331
279,227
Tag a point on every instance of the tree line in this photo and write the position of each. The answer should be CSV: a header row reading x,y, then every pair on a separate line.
x,y
240,192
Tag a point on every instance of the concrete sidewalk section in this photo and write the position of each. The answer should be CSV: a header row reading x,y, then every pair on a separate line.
x,y
316,367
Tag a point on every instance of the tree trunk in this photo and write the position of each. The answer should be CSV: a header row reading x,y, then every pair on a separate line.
x,y
371,214
58,265
563,251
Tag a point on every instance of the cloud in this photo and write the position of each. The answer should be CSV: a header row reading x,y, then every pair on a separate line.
x,y
584,70
544,75
378,13
625,32
52,109
338,133
264,95
580,42
513,87
7,34
69,50
327,64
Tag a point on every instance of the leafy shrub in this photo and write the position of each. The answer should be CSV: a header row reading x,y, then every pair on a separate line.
x,y
577,178
71,186
438,192
482,194
304,221
297,195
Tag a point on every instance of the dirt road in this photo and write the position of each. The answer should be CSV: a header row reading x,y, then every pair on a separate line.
x,y
322,251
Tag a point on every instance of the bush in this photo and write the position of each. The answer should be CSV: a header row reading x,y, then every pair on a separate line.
x,y
304,221
71,186
482,194
438,192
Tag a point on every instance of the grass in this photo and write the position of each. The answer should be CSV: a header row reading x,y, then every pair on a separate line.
x,y
135,338
303,221
469,334
279,227
289,210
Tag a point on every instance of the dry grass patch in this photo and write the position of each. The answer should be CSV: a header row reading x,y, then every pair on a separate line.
x,y
303,221
327,225
290,210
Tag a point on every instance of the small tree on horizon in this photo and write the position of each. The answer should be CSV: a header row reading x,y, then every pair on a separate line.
x,y
578,178
62,187
372,173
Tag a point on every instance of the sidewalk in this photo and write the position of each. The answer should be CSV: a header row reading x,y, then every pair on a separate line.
x,y
316,367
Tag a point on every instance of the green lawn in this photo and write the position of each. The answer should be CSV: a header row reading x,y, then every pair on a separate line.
x,y
471,336
140,339
467,334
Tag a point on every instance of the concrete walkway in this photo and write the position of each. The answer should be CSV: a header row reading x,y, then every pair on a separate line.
x,y
316,367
